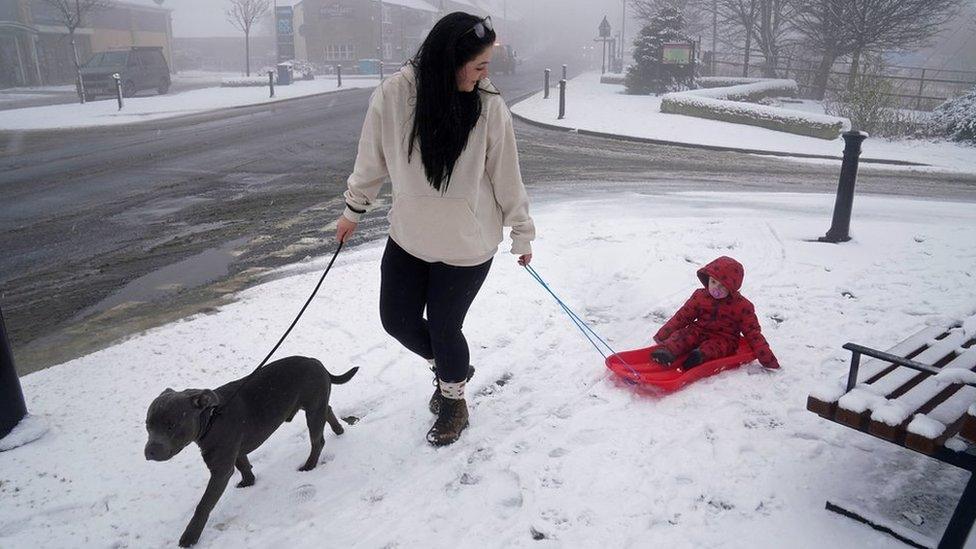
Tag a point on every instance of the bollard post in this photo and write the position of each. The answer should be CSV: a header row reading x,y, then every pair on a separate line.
x,y
545,84
12,406
118,88
339,74
564,72
271,82
381,70
562,99
840,226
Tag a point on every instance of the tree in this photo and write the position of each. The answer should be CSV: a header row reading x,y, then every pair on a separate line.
x,y
696,14
73,14
837,28
772,31
243,14
881,25
648,74
742,14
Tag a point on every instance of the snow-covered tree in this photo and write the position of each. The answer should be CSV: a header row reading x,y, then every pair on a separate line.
x,y
956,118
648,74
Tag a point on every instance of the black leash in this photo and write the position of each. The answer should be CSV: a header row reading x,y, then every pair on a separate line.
x,y
217,409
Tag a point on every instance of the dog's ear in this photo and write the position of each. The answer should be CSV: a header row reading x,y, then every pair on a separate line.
x,y
205,399
168,391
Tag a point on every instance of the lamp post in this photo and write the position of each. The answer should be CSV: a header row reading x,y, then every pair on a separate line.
x,y
604,37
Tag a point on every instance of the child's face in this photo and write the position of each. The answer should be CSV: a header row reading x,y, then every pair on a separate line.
x,y
716,289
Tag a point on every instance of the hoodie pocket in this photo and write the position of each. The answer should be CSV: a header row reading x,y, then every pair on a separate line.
x,y
438,227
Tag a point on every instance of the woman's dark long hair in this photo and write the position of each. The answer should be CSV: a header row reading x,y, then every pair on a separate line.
x,y
445,116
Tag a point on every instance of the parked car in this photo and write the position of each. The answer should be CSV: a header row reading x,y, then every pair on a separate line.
x,y
505,59
140,68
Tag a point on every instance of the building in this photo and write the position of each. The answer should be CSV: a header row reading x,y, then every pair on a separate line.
x,y
331,32
34,45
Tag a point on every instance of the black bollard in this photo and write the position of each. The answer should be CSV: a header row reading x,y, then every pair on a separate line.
x,y
545,84
12,406
118,88
271,82
562,99
840,227
339,75
381,70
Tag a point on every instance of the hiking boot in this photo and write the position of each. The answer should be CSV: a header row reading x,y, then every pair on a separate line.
x,y
694,359
435,399
662,356
452,419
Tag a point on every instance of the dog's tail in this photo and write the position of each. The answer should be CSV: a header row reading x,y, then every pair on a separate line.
x,y
339,380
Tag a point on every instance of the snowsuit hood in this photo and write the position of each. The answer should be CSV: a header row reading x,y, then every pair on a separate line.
x,y
726,270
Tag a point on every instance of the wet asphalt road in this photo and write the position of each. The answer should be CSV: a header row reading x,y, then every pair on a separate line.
x,y
108,232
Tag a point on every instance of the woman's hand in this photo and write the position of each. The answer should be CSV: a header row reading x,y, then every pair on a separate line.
x,y
345,228
524,260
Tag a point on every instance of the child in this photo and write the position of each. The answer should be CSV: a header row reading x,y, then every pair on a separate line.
x,y
707,327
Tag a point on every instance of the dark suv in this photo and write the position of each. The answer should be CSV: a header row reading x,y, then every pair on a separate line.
x,y
141,68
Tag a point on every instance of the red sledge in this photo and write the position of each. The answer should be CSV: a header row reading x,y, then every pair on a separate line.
x,y
638,367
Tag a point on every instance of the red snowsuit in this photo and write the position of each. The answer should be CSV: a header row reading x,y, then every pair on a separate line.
x,y
713,325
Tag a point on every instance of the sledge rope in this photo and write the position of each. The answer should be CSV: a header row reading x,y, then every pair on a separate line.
x,y
583,327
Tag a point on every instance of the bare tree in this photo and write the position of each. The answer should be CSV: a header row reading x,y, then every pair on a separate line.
x,y
838,28
772,31
73,14
243,14
742,14
884,25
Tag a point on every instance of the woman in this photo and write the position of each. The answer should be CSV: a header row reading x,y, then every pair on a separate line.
x,y
443,135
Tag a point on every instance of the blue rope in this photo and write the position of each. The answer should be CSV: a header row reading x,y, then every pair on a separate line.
x,y
583,327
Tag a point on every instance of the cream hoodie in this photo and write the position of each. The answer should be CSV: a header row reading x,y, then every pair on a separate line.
x,y
462,226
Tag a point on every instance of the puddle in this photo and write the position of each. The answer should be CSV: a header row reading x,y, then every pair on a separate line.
x,y
191,272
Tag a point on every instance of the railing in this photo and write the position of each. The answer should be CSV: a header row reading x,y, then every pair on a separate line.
x,y
930,88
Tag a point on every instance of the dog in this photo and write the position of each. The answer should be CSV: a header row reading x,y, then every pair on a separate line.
x,y
235,419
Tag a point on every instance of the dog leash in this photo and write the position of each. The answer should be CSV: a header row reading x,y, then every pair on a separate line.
x,y
217,409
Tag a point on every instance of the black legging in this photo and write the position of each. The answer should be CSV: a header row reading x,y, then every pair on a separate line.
x,y
409,284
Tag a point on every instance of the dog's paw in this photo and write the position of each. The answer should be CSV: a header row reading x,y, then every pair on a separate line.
x,y
246,482
307,467
189,540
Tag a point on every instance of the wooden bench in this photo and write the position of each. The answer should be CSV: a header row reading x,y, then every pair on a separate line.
x,y
919,394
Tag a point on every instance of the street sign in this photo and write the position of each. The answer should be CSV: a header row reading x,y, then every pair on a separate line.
x,y
285,25
677,53
605,28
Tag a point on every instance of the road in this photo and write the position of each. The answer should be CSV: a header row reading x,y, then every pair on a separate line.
x,y
109,232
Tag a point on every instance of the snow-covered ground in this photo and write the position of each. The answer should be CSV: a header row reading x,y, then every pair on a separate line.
x,y
155,107
605,108
556,448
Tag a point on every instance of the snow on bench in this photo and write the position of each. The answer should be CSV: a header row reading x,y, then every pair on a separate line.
x,y
909,406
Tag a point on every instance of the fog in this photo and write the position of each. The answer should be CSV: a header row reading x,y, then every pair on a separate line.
x,y
564,23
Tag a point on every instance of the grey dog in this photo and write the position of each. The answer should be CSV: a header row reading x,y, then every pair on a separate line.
x,y
235,419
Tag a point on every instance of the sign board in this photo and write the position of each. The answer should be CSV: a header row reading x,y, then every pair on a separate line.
x,y
604,28
336,10
677,53
285,32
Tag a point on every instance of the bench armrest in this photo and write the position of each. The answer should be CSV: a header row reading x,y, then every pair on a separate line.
x,y
859,350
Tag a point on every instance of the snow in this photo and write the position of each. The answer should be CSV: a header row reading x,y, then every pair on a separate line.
x,y
605,108
926,427
28,430
556,445
147,106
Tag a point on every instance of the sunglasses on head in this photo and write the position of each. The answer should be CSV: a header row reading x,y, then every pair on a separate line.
x,y
481,28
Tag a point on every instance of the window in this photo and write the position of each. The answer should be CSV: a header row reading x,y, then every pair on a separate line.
x,y
387,14
339,52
